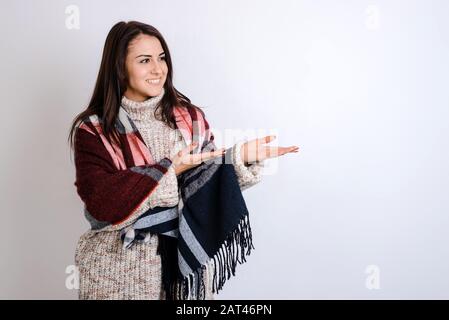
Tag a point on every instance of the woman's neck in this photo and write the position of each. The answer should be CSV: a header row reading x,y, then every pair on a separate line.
x,y
139,109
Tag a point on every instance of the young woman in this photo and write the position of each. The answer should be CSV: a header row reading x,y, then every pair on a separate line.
x,y
134,117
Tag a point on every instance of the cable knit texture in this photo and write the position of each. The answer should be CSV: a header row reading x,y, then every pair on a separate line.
x,y
106,270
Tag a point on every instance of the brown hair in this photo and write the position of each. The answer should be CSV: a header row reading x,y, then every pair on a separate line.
x,y
112,81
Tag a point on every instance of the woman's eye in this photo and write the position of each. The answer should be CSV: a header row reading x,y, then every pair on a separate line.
x,y
146,60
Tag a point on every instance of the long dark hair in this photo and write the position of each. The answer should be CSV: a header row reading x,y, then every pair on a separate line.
x,y
112,81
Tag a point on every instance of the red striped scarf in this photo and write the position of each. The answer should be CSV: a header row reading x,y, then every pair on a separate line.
x,y
113,180
210,223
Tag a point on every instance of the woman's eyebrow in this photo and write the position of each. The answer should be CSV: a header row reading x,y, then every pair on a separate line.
x,y
148,55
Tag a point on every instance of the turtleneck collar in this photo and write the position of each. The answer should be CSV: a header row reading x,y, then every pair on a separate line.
x,y
142,110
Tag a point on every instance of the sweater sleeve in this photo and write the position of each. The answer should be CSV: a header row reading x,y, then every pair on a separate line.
x,y
113,198
166,192
247,176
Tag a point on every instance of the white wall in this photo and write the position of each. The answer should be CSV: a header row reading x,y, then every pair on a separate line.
x,y
358,85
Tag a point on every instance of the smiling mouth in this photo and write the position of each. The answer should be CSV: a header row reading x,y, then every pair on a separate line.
x,y
155,81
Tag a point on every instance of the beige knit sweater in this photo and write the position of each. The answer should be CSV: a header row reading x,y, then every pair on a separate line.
x,y
108,271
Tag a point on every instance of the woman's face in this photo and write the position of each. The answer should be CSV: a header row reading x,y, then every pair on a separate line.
x,y
146,67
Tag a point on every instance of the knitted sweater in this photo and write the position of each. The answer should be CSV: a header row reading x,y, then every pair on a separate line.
x,y
106,270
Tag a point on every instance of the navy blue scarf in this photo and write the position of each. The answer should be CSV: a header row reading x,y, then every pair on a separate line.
x,y
209,224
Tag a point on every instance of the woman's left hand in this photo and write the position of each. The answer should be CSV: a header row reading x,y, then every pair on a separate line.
x,y
254,150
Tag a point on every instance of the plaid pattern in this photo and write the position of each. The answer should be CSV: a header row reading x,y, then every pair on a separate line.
x,y
157,220
210,222
113,181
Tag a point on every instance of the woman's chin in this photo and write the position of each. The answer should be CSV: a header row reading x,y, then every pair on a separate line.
x,y
154,92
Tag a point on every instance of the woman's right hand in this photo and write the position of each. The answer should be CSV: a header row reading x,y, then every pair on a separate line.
x,y
184,161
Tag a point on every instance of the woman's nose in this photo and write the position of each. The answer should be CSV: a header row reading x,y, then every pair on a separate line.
x,y
156,68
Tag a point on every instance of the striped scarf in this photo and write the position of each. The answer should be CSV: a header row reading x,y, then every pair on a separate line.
x,y
208,227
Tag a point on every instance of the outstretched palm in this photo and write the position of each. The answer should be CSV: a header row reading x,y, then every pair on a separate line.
x,y
255,150
251,151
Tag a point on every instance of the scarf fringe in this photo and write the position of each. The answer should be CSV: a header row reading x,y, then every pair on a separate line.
x,y
236,247
234,250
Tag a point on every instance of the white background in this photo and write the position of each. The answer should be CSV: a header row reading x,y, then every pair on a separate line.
x,y
360,86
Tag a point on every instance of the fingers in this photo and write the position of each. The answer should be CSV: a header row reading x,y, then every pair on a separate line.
x,y
292,149
187,149
271,152
208,155
180,157
186,158
266,139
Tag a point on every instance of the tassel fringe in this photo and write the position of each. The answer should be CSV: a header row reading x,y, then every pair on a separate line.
x,y
233,251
